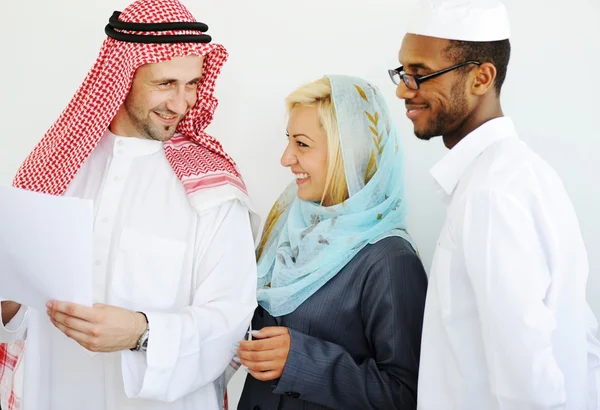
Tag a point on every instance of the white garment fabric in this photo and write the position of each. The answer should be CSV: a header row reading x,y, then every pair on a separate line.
x,y
194,275
507,325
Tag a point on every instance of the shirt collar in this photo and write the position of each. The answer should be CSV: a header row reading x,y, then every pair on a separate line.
x,y
450,169
129,146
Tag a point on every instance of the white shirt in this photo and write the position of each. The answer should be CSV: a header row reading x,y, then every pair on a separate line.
x,y
193,275
507,325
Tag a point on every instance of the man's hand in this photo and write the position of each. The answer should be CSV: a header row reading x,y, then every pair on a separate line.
x,y
9,310
265,358
101,328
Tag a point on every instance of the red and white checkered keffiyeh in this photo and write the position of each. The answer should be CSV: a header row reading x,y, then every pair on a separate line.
x,y
10,354
208,174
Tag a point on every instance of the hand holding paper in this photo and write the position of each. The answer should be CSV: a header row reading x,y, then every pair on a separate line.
x,y
101,328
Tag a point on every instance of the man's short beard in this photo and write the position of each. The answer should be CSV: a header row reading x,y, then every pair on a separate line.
x,y
146,127
458,109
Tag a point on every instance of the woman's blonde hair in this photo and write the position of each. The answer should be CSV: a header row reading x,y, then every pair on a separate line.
x,y
318,94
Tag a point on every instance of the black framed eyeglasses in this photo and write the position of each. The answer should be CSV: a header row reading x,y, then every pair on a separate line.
x,y
413,81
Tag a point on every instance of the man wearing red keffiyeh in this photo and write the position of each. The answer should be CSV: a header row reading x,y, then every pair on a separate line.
x,y
174,270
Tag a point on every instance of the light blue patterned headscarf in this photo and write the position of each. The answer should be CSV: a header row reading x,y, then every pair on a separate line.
x,y
308,243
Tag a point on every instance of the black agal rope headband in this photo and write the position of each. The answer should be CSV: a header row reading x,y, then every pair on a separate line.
x,y
114,23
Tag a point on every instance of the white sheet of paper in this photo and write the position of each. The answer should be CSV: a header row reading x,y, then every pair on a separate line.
x,y
45,248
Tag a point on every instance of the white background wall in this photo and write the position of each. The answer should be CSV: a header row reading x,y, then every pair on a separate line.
x,y
47,47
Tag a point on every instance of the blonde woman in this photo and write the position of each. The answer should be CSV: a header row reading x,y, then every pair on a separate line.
x,y
341,289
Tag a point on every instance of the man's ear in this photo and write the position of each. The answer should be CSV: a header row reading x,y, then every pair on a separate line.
x,y
484,79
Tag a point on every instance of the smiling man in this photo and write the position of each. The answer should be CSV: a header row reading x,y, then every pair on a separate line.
x,y
174,270
507,325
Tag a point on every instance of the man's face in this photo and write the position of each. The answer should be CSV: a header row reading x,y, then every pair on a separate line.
x,y
441,104
160,96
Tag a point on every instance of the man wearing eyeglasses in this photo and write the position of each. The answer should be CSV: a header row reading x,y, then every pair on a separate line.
x,y
507,325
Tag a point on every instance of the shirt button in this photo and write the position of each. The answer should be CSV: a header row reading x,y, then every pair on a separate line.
x,y
116,179
121,143
104,220
97,262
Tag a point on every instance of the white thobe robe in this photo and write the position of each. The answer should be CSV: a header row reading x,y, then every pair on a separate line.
x,y
507,325
193,274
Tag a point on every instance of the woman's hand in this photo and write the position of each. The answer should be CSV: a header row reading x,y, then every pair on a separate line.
x,y
265,357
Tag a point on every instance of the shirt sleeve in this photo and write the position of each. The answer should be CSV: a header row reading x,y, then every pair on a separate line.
x,y
508,270
325,373
191,348
16,328
593,350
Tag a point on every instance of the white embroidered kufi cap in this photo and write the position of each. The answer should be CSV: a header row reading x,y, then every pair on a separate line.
x,y
465,20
